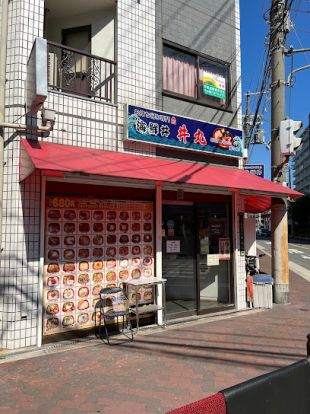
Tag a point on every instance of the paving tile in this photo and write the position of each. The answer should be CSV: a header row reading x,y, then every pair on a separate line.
x,y
162,370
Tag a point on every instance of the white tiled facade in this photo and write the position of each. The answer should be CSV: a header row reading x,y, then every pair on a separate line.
x,y
84,123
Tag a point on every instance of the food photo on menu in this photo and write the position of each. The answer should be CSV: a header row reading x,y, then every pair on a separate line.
x,y
52,295
68,280
83,278
98,215
70,215
68,321
69,240
54,215
53,241
84,240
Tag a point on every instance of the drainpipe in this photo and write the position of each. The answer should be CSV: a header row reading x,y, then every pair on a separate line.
x,y
3,46
28,128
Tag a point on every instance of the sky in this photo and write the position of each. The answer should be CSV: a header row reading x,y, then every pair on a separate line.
x,y
253,33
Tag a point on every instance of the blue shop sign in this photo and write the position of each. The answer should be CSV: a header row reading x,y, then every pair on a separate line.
x,y
255,169
170,130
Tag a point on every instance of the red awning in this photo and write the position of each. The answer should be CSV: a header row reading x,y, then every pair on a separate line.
x,y
257,204
60,159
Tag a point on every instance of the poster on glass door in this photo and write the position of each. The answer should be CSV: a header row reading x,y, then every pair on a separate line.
x,y
91,244
224,249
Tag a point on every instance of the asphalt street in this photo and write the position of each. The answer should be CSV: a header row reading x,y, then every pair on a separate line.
x,y
299,255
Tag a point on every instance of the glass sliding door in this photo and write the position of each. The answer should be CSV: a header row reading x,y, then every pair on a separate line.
x,y
197,258
179,260
214,257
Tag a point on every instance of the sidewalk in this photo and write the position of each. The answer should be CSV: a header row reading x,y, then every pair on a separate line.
x,y
164,369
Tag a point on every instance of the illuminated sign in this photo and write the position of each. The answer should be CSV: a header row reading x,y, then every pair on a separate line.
x,y
161,128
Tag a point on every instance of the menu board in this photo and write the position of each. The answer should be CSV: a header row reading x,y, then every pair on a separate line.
x,y
91,244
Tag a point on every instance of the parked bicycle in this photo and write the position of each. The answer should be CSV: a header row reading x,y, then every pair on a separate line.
x,y
252,264
252,268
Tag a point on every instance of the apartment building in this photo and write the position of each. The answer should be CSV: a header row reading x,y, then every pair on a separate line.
x,y
123,154
301,163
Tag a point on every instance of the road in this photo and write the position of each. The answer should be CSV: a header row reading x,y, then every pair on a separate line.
x,y
299,256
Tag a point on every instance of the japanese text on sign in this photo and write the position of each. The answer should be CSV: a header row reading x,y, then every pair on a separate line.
x,y
173,246
255,169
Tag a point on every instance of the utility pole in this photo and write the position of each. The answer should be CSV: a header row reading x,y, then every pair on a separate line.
x,y
246,128
279,220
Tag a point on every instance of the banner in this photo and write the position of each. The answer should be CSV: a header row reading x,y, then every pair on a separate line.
x,y
214,85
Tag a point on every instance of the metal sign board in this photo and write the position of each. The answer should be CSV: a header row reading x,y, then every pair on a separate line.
x,y
36,81
165,129
256,169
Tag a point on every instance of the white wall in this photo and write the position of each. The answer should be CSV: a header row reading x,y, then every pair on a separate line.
x,y
250,236
102,27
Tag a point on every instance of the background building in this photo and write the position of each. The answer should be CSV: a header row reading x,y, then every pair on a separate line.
x,y
299,211
302,163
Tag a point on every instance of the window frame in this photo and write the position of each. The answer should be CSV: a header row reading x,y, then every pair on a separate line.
x,y
198,56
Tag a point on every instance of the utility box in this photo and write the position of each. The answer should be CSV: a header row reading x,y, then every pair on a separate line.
x,y
289,142
262,291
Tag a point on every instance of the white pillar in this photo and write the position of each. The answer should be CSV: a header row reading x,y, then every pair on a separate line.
x,y
158,247
239,261
41,270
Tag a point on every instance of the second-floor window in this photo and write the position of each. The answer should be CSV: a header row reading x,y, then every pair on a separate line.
x,y
194,77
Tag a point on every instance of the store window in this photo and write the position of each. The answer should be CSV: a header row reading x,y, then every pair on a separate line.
x,y
180,72
191,76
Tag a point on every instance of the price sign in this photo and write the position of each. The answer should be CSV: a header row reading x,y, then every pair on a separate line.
x,y
173,246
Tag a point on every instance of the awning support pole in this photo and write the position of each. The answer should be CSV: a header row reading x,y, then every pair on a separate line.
x,y
158,246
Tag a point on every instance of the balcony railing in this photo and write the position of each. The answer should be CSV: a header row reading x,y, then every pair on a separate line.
x,y
79,73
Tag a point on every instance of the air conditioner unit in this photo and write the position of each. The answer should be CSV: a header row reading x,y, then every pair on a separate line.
x,y
53,70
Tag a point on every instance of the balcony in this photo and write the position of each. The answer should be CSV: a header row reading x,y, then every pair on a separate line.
x,y
81,47
73,71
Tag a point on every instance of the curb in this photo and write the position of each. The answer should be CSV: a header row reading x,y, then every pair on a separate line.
x,y
67,345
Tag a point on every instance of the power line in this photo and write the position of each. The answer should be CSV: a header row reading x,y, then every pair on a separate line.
x,y
304,30
300,43
301,11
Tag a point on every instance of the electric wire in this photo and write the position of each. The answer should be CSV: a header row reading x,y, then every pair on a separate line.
x,y
304,30
301,45
301,11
